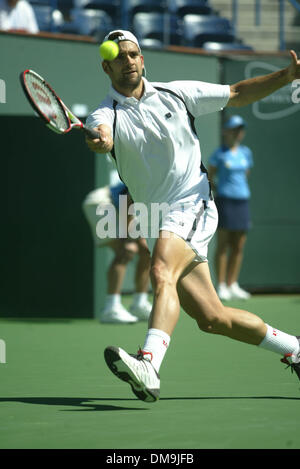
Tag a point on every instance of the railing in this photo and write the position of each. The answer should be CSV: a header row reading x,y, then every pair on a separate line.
x,y
257,17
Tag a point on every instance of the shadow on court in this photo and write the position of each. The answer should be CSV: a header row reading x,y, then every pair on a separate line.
x,y
89,404
85,404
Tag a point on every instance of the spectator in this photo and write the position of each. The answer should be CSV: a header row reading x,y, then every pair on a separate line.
x,y
124,251
17,15
230,165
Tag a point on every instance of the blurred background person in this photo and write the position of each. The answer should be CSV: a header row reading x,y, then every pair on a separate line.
x,y
17,15
125,249
229,167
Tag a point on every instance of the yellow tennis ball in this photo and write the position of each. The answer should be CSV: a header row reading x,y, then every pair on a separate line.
x,y
109,50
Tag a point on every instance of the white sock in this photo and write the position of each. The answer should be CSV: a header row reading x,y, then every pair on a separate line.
x,y
112,300
279,342
156,344
139,299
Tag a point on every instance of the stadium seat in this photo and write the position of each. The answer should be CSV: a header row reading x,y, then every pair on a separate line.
x,y
185,7
86,22
144,6
47,18
155,25
39,2
111,7
65,6
148,43
198,29
225,46
136,6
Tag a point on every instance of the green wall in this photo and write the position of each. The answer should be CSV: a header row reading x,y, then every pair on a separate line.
x,y
272,254
49,264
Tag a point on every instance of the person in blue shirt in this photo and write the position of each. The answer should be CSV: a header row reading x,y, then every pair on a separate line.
x,y
228,172
124,250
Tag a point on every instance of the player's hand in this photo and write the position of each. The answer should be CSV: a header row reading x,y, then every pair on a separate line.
x,y
294,67
103,144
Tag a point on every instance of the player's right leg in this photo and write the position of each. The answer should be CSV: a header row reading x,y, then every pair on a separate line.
x,y
171,256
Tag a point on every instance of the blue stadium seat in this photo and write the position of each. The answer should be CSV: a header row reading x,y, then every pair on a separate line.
x,y
198,29
109,6
225,46
185,7
148,43
89,23
144,6
112,7
153,25
47,18
39,2
152,6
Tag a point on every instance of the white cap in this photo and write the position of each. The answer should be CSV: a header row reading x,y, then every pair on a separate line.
x,y
124,36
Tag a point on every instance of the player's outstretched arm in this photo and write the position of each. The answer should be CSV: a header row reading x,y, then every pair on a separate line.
x,y
103,144
248,91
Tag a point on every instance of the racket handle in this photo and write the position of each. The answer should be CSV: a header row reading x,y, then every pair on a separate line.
x,y
91,133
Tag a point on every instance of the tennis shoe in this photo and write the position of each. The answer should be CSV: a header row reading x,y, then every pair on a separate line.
x,y
223,292
136,370
292,360
117,315
142,312
237,292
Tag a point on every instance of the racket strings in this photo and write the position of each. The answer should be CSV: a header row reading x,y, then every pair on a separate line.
x,y
46,101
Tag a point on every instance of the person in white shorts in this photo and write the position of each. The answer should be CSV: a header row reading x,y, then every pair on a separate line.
x,y
148,128
124,251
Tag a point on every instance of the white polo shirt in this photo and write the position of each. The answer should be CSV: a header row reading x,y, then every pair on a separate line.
x,y
157,153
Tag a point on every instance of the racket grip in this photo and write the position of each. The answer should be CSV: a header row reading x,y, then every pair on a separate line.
x,y
91,133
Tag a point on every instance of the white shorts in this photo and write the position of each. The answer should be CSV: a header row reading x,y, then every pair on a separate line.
x,y
195,222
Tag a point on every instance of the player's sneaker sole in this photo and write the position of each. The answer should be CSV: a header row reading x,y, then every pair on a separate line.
x,y
115,362
293,361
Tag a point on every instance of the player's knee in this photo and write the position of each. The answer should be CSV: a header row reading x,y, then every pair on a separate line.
x,y
160,274
213,322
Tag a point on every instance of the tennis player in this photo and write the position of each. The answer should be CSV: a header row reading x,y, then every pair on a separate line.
x,y
149,129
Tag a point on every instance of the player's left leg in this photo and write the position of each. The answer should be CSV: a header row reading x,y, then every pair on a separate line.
x,y
199,299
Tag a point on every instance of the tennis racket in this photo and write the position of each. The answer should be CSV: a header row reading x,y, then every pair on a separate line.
x,y
50,107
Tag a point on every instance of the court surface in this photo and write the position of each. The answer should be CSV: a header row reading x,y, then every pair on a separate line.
x,y
56,391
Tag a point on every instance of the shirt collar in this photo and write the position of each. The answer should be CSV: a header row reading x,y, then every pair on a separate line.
x,y
149,90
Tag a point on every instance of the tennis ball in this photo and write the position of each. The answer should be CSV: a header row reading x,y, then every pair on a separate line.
x,y
109,50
